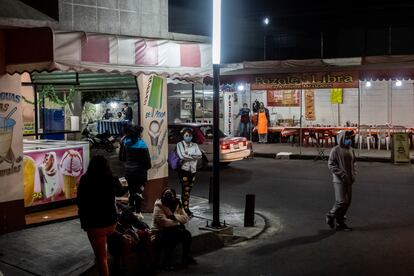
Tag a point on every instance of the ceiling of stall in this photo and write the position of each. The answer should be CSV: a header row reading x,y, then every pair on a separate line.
x,y
85,81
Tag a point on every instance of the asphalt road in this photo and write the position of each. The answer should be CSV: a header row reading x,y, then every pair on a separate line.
x,y
295,196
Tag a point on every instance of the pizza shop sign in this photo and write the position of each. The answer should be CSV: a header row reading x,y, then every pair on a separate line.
x,y
306,81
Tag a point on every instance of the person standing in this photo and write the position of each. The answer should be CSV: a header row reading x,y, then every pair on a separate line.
x,y
128,112
342,165
189,153
244,127
96,207
168,227
263,120
137,159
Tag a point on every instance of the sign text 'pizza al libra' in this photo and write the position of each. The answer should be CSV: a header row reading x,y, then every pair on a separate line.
x,y
306,81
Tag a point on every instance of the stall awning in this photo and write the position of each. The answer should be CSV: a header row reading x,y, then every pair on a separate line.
x,y
43,49
366,68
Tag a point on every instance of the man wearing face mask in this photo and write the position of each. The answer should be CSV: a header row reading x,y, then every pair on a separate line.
x,y
342,165
189,153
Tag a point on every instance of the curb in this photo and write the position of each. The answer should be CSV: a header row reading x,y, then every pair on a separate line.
x,y
316,157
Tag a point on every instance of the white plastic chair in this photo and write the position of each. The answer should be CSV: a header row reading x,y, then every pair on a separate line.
x,y
365,134
384,134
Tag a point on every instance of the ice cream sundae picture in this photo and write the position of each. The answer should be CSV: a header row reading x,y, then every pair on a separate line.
x,y
48,173
6,136
71,166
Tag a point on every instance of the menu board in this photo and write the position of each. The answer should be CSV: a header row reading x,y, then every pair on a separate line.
x,y
51,174
310,105
283,97
400,148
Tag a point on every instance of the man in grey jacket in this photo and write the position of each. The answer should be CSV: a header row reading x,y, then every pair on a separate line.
x,y
342,165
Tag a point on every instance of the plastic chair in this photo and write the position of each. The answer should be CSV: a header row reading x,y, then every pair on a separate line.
x,y
384,134
365,134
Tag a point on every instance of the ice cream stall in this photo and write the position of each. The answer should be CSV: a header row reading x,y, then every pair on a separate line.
x,y
51,170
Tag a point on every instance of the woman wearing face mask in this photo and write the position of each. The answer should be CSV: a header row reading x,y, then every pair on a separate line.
x,y
342,165
189,153
168,227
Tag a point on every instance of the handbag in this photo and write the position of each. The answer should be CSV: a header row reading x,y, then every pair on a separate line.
x,y
174,160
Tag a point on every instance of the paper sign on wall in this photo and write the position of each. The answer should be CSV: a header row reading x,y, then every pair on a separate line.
x,y
336,95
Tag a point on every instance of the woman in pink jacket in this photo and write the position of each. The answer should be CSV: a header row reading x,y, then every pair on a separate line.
x,y
168,228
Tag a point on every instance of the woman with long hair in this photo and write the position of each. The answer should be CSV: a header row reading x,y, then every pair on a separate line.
x,y
189,153
137,163
96,207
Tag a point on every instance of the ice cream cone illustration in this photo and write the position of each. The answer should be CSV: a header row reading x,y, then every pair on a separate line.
x,y
71,167
29,170
155,98
48,175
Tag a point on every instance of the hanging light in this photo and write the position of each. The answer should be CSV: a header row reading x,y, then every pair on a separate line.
x,y
368,84
398,83
240,87
113,105
266,21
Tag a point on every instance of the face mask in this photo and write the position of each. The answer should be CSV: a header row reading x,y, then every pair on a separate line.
x,y
348,142
188,138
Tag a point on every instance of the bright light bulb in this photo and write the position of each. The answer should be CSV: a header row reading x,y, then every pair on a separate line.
x,y
266,21
114,105
240,87
368,84
398,83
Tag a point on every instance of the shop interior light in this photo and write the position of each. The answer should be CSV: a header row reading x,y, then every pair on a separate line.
x,y
216,31
114,105
398,83
266,21
368,84
240,87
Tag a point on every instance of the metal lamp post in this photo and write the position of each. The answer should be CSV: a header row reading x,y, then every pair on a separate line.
x,y
216,90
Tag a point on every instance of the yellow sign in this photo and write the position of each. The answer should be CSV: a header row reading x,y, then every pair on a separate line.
x,y
336,96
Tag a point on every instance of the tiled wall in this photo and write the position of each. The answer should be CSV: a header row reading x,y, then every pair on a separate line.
x,y
124,17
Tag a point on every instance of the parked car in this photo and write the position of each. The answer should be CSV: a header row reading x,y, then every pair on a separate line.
x,y
231,148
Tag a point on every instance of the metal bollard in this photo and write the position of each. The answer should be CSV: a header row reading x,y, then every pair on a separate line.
x,y
249,211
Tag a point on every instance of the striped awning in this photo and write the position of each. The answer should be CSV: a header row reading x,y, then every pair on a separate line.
x,y
43,49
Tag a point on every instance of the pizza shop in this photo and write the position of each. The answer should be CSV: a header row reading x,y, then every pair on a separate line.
x,y
310,101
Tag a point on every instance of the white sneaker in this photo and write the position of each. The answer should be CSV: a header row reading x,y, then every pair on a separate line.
x,y
138,215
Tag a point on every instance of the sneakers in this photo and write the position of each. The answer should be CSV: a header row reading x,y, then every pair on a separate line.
x,y
343,227
139,215
330,220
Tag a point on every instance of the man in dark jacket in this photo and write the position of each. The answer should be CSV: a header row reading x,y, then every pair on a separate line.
x,y
128,112
342,165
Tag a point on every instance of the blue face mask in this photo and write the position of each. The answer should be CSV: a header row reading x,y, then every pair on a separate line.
x,y
348,142
188,138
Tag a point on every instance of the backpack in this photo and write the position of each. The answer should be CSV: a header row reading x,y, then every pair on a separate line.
x,y
174,160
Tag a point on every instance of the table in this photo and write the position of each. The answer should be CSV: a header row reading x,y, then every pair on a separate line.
x,y
111,127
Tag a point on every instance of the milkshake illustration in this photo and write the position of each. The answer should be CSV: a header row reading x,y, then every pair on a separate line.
x,y
48,172
71,167
155,98
6,137
29,171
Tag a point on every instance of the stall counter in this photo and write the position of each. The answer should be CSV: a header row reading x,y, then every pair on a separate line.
x,y
52,170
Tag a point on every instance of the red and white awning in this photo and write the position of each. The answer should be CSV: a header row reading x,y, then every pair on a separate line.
x,y
82,52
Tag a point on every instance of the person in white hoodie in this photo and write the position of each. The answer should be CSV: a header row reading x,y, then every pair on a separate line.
x,y
189,153
168,227
342,165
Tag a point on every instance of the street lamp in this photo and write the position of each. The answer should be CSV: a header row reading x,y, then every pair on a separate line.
x,y
216,90
266,22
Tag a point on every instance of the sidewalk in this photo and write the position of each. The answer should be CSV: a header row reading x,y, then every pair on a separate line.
x,y
284,150
63,248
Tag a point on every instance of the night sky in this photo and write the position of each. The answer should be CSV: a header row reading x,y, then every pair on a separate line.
x,y
350,28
